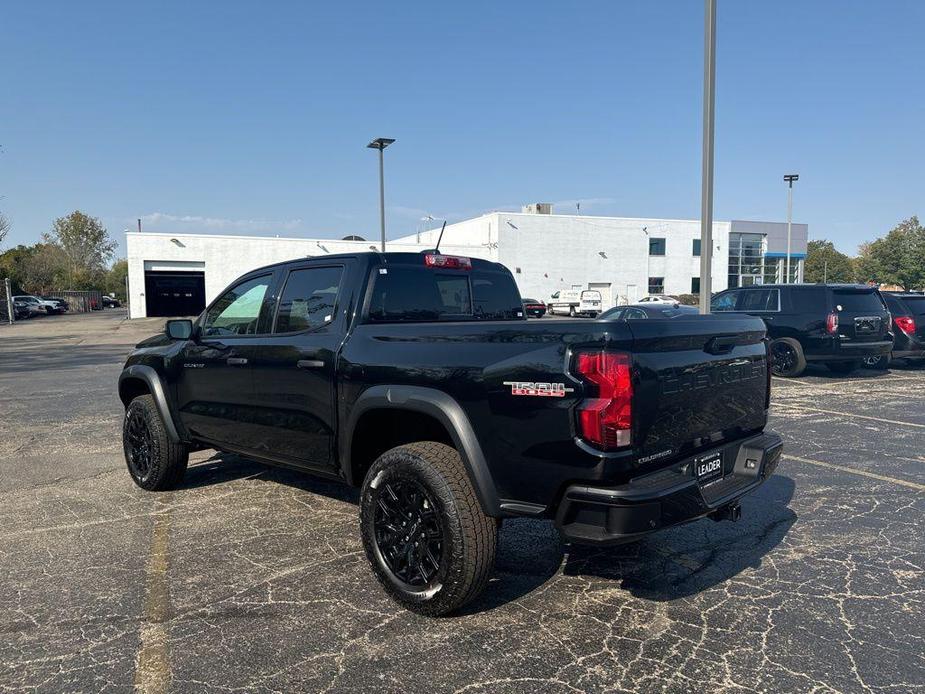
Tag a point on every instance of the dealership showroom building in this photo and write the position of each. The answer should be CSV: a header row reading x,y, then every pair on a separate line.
x,y
624,258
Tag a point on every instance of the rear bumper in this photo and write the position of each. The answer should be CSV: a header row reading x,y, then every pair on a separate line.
x,y
853,350
614,515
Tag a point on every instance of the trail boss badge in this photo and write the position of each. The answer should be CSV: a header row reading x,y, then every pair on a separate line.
x,y
543,390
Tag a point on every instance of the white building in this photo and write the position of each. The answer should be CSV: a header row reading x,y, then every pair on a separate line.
x,y
624,258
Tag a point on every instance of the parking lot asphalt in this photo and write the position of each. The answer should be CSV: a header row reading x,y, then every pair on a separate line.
x,y
250,578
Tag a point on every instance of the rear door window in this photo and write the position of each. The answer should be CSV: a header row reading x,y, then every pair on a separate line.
x,y
308,299
758,300
403,293
855,301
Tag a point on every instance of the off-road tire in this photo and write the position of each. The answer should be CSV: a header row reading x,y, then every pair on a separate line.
x,y
796,362
166,461
843,367
469,536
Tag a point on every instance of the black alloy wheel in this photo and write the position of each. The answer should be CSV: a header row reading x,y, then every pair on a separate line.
x,y
140,445
785,358
409,532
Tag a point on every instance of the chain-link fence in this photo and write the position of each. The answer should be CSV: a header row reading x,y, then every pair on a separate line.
x,y
7,313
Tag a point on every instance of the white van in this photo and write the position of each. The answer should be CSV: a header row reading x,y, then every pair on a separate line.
x,y
575,302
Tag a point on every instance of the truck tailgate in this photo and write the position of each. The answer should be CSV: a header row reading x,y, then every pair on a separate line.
x,y
701,380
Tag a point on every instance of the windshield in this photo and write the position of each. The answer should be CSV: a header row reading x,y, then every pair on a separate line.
x,y
854,301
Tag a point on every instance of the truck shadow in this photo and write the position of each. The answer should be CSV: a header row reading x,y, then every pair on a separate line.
x,y
695,557
672,564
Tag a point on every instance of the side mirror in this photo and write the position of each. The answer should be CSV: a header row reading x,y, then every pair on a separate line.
x,y
179,329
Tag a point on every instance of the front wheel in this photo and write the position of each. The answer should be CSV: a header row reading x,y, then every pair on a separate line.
x,y
880,363
787,358
154,462
429,542
571,311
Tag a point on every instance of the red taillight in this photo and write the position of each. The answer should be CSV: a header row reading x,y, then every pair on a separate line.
x,y
606,419
905,323
449,262
831,323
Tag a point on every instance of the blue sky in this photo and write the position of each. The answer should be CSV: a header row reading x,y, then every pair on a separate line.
x,y
253,117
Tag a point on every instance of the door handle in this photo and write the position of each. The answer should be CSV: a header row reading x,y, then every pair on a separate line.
x,y
310,364
236,361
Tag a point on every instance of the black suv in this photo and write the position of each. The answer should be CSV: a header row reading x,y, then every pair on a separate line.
x,y
839,325
908,311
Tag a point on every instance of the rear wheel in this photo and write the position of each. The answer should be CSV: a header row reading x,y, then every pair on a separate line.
x,y
429,542
571,311
787,358
880,363
843,367
154,462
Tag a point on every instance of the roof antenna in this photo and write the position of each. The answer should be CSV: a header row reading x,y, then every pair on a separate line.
x,y
440,238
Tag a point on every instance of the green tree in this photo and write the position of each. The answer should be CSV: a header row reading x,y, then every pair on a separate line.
x,y
87,248
114,283
45,270
897,258
13,265
4,227
825,263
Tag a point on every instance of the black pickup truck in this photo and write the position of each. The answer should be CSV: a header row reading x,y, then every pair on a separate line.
x,y
417,378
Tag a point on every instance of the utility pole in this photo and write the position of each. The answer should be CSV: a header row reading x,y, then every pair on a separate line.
x,y
706,194
381,143
789,178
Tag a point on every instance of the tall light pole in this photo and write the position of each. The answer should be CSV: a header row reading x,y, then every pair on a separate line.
x,y
706,193
381,143
789,178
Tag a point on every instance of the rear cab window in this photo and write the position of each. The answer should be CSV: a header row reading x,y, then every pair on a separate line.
x,y
858,301
916,304
406,293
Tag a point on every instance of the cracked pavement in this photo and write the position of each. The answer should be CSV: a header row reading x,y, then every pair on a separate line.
x,y
251,578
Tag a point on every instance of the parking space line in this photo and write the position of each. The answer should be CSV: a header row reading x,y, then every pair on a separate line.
x,y
855,471
152,669
849,414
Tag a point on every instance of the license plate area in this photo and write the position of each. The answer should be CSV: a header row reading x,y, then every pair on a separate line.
x,y
709,468
867,325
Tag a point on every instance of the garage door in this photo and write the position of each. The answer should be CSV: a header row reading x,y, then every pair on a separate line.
x,y
175,293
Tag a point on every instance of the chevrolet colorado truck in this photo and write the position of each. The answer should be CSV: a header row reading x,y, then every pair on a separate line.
x,y
417,378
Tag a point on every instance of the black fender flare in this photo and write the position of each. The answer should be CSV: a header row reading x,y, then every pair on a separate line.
x,y
156,387
444,409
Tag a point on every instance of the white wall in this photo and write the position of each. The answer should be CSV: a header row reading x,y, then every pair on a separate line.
x,y
225,258
545,252
551,252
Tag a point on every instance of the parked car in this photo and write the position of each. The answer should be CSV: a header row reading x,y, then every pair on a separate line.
x,y
838,325
24,309
575,302
43,305
535,308
417,378
660,299
908,312
110,301
644,311
60,304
